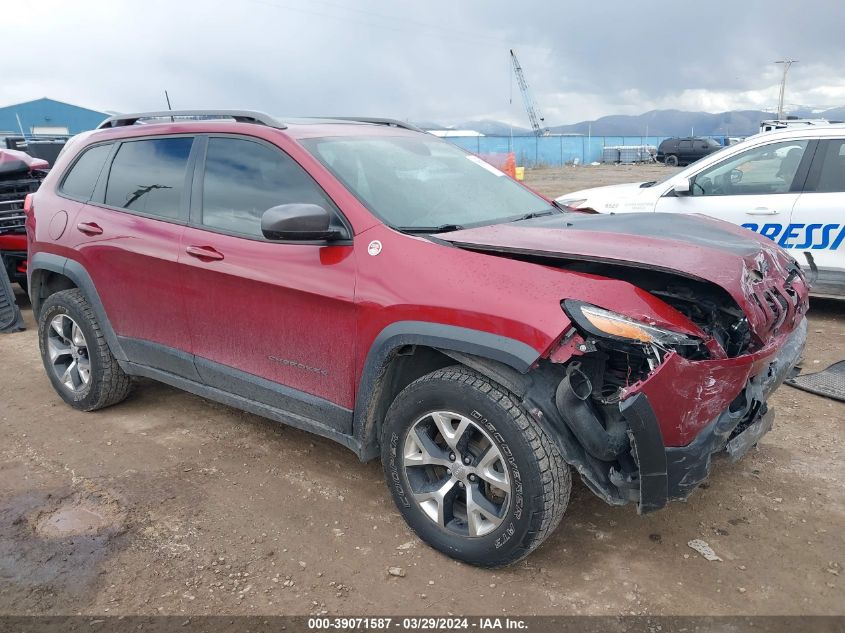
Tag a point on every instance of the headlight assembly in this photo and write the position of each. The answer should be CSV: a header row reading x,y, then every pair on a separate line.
x,y
605,324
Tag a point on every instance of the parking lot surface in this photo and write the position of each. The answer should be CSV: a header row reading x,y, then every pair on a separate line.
x,y
172,504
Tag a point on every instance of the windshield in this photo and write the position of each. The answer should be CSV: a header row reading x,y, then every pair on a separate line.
x,y
422,182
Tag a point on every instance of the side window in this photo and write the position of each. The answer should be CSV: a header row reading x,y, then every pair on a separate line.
x,y
762,170
82,177
148,176
244,178
831,176
685,145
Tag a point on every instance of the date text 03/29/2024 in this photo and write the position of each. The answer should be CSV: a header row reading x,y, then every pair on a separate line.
x,y
416,623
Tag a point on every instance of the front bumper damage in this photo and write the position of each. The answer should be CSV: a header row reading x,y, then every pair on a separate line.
x,y
674,422
673,472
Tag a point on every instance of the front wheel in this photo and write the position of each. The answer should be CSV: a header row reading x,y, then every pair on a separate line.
x,y
671,160
471,472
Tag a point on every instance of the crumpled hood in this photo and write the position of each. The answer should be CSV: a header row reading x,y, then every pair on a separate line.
x,y
763,280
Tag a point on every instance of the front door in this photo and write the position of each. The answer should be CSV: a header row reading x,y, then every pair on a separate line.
x,y
271,321
756,188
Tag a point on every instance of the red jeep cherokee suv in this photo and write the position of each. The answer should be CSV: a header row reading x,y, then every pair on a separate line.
x,y
382,288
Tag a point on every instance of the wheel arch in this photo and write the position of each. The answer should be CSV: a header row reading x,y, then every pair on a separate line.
x,y
407,350
49,274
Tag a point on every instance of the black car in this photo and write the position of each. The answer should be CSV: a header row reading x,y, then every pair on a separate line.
x,y
683,151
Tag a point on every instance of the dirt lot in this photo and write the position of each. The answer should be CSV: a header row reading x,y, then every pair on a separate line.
x,y
172,504
556,181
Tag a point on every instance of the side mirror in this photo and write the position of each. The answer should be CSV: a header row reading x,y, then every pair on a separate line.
x,y
681,187
298,222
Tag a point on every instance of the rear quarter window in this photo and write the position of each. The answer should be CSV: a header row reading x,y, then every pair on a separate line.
x,y
80,180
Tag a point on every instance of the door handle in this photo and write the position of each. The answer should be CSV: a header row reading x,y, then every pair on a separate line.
x,y
204,253
762,211
89,228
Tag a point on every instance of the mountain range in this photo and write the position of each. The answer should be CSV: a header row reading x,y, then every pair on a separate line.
x,y
653,123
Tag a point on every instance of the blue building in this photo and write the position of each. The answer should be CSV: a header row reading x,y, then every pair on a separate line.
x,y
48,116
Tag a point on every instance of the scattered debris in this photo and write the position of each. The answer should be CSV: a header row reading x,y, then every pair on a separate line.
x,y
704,549
408,545
396,571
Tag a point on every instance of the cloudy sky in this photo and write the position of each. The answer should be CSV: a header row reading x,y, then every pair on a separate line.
x,y
432,60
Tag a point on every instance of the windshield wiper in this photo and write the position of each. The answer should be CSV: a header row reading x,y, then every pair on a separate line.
x,y
443,228
536,214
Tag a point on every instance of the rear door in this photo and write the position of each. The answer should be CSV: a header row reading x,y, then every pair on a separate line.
x,y
270,321
756,188
817,224
128,240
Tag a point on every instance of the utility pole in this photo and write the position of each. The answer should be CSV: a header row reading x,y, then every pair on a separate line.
x,y
786,64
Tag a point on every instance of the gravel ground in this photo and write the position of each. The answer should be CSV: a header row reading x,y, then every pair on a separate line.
x,y
172,504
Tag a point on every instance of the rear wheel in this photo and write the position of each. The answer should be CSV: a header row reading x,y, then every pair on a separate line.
x,y
75,354
671,160
471,472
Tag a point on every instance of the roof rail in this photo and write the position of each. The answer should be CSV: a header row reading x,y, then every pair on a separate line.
x,y
380,121
241,116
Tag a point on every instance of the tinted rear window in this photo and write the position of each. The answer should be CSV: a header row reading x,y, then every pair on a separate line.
x,y
831,179
82,177
148,176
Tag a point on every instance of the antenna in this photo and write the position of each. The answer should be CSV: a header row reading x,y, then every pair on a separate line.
x,y
786,64
169,107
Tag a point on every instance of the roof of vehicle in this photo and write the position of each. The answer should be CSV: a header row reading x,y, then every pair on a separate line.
x,y
810,131
297,127
686,138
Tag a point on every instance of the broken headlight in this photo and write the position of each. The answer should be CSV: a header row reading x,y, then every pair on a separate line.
x,y
612,325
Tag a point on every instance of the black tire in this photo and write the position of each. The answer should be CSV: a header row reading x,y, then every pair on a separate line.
x,y
671,160
540,479
107,383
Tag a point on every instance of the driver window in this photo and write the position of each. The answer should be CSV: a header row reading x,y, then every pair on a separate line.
x,y
244,178
762,170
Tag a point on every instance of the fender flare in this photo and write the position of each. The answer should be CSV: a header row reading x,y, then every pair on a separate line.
x,y
454,341
77,273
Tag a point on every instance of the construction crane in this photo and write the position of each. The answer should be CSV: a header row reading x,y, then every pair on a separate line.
x,y
538,123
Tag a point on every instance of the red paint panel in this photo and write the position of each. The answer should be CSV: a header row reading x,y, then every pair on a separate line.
x,y
133,264
686,396
16,242
284,312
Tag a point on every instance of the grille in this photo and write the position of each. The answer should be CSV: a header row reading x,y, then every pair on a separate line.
x,y
12,194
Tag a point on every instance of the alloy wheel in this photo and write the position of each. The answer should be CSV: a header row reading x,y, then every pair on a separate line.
x,y
457,473
68,353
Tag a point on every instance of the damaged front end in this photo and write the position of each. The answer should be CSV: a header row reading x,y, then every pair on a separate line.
x,y
640,410
680,328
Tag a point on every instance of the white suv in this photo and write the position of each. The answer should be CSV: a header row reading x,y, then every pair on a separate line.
x,y
788,185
